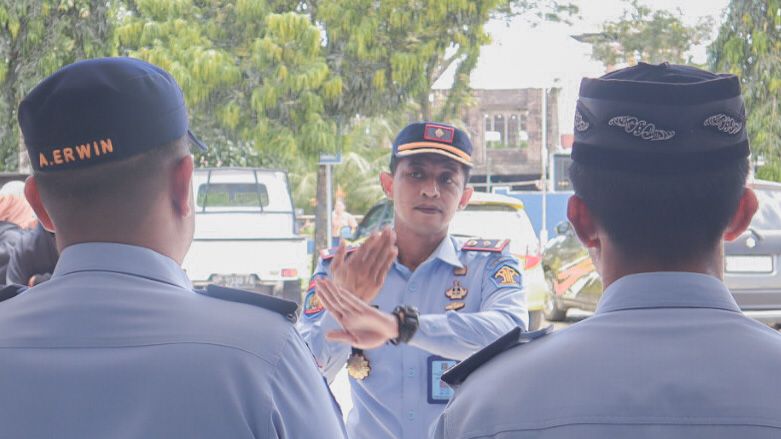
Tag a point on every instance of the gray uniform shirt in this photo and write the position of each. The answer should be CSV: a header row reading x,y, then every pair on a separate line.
x,y
118,345
667,355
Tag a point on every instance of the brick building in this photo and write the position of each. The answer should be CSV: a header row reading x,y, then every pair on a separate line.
x,y
506,131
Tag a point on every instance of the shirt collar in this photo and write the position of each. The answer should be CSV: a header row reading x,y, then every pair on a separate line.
x,y
447,252
121,258
666,290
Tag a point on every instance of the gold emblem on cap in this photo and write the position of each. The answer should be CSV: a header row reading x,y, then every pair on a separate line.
x,y
454,306
358,366
458,292
439,132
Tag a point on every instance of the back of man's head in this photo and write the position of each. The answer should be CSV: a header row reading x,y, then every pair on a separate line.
x,y
101,135
661,158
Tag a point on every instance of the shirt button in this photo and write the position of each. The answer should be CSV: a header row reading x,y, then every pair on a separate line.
x,y
411,372
413,286
411,415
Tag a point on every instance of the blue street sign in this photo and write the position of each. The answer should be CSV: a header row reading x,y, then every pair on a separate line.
x,y
331,159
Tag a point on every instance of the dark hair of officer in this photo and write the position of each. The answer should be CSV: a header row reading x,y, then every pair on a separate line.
x,y
127,187
673,218
656,201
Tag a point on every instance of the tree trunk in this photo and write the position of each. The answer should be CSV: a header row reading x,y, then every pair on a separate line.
x,y
425,106
321,218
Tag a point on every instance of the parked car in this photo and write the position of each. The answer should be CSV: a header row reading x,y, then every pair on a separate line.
x,y
752,266
488,216
245,232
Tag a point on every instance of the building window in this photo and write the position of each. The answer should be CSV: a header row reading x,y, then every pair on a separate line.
x,y
505,130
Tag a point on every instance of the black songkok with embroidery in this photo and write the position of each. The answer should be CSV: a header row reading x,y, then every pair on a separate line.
x,y
660,119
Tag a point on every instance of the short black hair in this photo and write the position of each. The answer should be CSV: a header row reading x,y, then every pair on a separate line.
x,y
394,163
125,184
673,218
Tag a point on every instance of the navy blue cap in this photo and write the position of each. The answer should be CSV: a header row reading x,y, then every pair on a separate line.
x,y
660,119
433,138
101,110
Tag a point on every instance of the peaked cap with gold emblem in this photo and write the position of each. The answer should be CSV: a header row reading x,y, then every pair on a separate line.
x,y
433,138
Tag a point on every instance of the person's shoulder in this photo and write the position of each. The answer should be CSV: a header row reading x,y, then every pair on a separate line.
x,y
491,257
284,308
10,291
485,246
256,323
513,339
492,252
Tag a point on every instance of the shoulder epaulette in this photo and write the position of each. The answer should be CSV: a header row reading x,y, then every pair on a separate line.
x,y
280,306
329,254
486,245
11,290
458,374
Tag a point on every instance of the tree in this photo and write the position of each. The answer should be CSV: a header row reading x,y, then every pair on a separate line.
x,y
37,37
749,45
253,79
642,34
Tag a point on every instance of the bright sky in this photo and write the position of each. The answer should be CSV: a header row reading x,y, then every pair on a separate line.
x,y
544,56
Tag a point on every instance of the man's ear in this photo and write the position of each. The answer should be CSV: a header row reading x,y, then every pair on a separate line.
x,y
741,220
386,181
465,197
583,222
34,198
181,186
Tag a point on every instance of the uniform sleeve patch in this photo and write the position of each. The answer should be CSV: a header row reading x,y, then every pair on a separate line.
x,y
505,275
313,307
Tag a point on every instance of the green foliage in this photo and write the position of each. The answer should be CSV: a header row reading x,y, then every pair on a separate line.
x,y
37,37
749,45
390,51
643,34
256,82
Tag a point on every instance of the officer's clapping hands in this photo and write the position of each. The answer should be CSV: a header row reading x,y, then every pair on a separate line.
x,y
363,271
363,326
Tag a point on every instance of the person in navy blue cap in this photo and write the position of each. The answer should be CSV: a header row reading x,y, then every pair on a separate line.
x,y
659,173
117,343
412,301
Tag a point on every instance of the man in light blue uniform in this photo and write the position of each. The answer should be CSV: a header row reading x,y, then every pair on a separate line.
x,y
117,344
439,301
660,166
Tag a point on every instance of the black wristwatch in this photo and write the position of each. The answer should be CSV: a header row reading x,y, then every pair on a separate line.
x,y
407,317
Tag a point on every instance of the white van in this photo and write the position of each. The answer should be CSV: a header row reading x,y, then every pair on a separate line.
x,y
245,232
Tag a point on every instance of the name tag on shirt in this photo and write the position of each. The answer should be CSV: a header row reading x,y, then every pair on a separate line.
x,y
438,391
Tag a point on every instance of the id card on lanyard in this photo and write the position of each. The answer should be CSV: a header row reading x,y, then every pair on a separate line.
x,y
438,391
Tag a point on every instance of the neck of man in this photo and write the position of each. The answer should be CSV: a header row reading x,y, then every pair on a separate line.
x,y
415,248
614,264
148,231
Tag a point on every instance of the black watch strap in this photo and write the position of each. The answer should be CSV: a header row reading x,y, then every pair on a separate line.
x,y
407,317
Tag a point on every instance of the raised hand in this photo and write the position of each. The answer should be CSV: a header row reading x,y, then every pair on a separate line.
x,y
363,326
364,271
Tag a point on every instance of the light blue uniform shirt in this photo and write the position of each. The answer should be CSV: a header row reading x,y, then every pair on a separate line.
x,y
403,395
667,355
118,345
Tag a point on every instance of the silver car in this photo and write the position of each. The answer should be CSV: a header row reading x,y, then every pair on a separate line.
x,y
752,265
